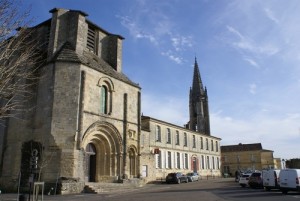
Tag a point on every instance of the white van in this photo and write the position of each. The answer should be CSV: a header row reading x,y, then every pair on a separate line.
x,y
289,180
270,179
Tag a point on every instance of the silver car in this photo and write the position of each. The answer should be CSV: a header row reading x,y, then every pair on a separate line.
x,y
193,176
244,179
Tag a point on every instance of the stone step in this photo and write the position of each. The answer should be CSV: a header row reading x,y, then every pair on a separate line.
x,y
129,185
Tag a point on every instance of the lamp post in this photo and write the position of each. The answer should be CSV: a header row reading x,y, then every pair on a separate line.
x,y
283,164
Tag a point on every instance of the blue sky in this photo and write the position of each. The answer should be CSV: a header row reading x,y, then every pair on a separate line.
x,y
248,53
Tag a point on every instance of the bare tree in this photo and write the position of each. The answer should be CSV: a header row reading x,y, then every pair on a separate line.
x,y
18,59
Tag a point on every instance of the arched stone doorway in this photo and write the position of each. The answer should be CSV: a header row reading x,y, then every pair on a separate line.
x,y
132,153
91,162
103,144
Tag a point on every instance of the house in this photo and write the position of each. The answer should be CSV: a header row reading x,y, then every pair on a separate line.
x,y
245,157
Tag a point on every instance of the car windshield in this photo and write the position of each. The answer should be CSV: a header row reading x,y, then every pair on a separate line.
x,y
245,175
255,174
190,174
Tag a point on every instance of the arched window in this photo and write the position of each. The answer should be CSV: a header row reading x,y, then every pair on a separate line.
x,y
104,100
158,134
185,139
106,87
168,136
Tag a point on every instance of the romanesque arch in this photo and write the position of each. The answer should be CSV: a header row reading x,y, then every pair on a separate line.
x,y
133,161
102,143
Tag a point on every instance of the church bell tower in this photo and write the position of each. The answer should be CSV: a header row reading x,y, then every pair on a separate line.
x,y
199,113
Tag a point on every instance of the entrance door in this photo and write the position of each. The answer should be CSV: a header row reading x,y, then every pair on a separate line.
x,y
91,162
144,171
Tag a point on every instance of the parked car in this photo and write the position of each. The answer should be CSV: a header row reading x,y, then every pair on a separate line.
x,y
176,177
244,179
270,179
193,176
289,180
255,180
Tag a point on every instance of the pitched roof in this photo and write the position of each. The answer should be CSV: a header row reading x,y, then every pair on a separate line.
x,y
67,53
242,147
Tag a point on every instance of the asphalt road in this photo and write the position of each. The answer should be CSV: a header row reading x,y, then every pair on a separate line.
x,y
224,189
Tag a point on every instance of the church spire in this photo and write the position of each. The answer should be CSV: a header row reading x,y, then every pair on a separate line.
x,y
197,82
199,114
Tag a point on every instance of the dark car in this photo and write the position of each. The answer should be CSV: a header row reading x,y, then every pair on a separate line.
x,y
177,178
255,180
192,176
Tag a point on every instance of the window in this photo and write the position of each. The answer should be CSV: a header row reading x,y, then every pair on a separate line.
x,y
177,138
207,162
103,100
225,159
186,161
217,146
106,88
218,163
158,134
202,161
252,158
213,162
201,142
169,160
178,160
207,148
185,139
238,160
158,160
194,141
212,145
168,136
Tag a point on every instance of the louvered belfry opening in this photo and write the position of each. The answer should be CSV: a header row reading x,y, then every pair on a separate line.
x,y
91,38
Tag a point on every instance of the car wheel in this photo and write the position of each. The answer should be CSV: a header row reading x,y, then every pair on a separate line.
x,y
284,192
243,185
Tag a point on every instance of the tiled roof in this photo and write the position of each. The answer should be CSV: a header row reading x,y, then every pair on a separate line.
x,y
68,54
241,147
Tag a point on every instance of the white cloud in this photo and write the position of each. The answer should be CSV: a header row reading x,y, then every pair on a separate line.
x,y
135,30
274,133
249,45
251,62
150,22
180,42
271,15
172,57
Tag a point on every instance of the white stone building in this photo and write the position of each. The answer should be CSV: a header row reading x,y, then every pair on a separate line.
x,y
166,147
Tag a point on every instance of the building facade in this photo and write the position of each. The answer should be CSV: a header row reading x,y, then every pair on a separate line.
x,y
84,110
167,148
245,157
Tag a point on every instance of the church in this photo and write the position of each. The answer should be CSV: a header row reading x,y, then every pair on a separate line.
x,y
86,123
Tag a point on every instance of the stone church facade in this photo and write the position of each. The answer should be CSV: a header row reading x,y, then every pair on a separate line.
x,y
85,109
85,124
